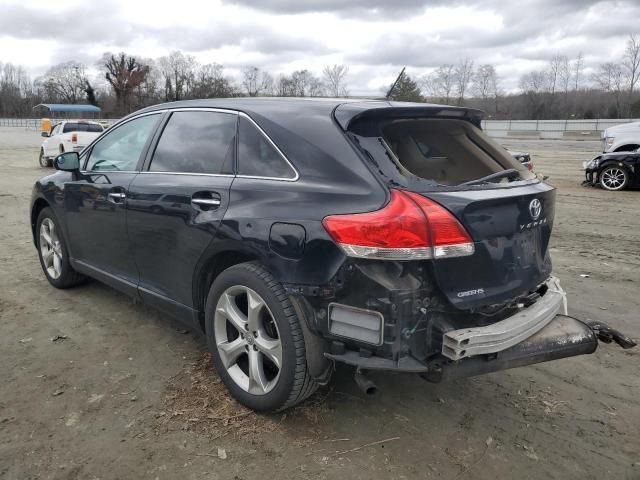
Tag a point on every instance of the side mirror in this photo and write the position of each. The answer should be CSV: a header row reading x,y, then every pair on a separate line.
x,y
69,162
44,134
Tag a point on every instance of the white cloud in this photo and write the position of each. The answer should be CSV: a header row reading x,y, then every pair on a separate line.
x,y
374,37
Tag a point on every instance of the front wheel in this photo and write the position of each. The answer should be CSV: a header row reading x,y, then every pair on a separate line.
x,y
44,161
255,339
614,178
53,252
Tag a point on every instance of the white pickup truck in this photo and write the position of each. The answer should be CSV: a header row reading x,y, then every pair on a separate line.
x,y
68,136
621,138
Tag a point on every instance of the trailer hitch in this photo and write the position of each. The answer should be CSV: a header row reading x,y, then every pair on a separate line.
x,y
607,334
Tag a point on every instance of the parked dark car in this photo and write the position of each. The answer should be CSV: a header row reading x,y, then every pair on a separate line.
x,y
614,171
298,234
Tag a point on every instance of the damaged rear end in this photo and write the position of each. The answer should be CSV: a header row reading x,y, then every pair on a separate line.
x,y
452,277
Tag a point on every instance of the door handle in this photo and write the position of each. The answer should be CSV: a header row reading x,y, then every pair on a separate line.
x,y
116,197
206,200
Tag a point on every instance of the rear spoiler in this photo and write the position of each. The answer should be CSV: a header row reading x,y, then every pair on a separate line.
x,y
347,113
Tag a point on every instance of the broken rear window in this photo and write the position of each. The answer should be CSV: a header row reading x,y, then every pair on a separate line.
x,y
441,151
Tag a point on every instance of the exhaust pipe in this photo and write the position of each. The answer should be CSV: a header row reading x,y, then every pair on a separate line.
x,y
364,383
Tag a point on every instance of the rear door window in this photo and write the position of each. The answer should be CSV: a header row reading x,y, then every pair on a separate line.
x,y
196,142
257,156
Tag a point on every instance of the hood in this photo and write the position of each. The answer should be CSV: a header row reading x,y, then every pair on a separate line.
x,y
611,131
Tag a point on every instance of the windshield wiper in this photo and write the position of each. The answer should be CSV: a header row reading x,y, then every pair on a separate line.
x,y
509,173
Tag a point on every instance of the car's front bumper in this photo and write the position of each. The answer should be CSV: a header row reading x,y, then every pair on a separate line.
x,y
591,176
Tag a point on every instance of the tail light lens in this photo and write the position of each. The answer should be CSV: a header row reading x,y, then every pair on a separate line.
x,y
74,138
409,227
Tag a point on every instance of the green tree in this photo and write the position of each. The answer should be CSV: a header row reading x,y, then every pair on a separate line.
x,y
406,90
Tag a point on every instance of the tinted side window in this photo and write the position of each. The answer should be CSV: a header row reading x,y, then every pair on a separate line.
x,y
121,148
196,142
257,156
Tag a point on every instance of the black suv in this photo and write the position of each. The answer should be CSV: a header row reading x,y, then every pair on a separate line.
x,y
296,234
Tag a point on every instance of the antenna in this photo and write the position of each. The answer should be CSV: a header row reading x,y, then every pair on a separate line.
x,y
395,83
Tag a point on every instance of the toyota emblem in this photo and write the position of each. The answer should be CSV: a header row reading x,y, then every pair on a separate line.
x,y
535,209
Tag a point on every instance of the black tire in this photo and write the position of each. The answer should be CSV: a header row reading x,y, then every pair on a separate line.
x,y
614,178
44,161
294,383
68,276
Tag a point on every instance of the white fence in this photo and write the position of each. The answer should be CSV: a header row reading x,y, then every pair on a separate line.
x,y
34,123
568,129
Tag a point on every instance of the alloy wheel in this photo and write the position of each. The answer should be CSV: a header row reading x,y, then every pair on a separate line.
x,y
248,340
44,162
613,178
50,248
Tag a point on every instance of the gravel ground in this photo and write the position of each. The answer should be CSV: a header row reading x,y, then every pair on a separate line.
x,y
124,392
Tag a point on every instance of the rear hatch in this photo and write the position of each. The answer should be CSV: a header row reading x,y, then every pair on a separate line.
x,y
511,247
441,154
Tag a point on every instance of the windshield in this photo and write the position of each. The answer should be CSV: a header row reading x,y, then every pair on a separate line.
x,y
445,152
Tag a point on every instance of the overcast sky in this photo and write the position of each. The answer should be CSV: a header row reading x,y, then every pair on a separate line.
x,y
374,37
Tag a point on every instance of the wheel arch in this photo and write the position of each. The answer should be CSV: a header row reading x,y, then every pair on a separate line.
x,y
39,205
627,147
205,276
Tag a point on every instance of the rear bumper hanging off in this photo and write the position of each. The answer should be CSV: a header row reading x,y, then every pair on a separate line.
x,y
540,333
499,336
563,337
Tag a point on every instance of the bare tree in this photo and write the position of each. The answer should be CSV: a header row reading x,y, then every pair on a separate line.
x,y
66,81
483,81
256,81
463,75
631,65
553,73
210,82
17,94
440,83
124,74
486,85
285,87
303,83
178,72
610,77
335,79
533,85
578,66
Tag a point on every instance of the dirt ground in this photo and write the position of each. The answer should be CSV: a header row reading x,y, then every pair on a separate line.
x,y
123,392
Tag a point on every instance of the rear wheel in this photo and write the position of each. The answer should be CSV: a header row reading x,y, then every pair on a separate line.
x,y
44,161
614,178
255,339
53,252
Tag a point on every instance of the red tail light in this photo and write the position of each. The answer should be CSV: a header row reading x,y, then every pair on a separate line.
x,y
409,227
74,138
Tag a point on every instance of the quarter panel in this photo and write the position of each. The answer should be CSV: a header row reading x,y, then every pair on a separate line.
x,y
256,205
